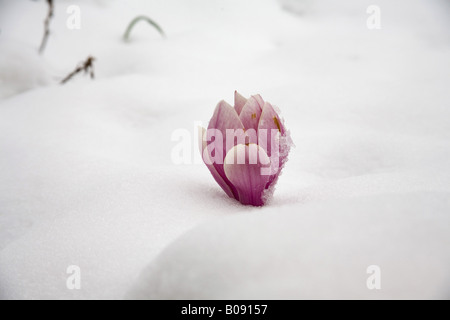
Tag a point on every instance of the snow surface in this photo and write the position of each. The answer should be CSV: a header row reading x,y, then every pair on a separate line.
x,y
87,178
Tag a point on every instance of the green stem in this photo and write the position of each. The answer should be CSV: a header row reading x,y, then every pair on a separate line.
x,y
126,36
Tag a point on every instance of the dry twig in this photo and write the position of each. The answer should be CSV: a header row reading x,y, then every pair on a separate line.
x,y
86,66
51,10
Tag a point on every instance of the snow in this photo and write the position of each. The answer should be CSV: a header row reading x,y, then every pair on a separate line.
x,y
21,68
281,254
87,178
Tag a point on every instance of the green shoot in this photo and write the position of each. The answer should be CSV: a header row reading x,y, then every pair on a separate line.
x,y
126,36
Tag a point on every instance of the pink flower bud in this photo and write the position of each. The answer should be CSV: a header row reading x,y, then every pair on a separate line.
x,y
245,148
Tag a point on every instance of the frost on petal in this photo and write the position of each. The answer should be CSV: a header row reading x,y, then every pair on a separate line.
x,y
250,114
209,163
239,102
242,167
275,139
278,159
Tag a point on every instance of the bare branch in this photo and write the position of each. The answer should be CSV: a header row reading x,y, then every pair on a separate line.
x,y
86,66
51,10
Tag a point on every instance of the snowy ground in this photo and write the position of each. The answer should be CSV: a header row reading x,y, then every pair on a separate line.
x,y
87,178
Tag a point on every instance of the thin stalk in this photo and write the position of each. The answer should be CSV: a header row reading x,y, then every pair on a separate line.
x,y
51,10
133,23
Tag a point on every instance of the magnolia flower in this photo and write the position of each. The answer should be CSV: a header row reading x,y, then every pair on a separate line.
x,y
245,148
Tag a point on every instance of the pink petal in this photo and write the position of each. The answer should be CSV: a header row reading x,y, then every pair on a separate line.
x,y
225,117
269,123
270,119
202,146
259,99
239,102
271,129
251,114
247,177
